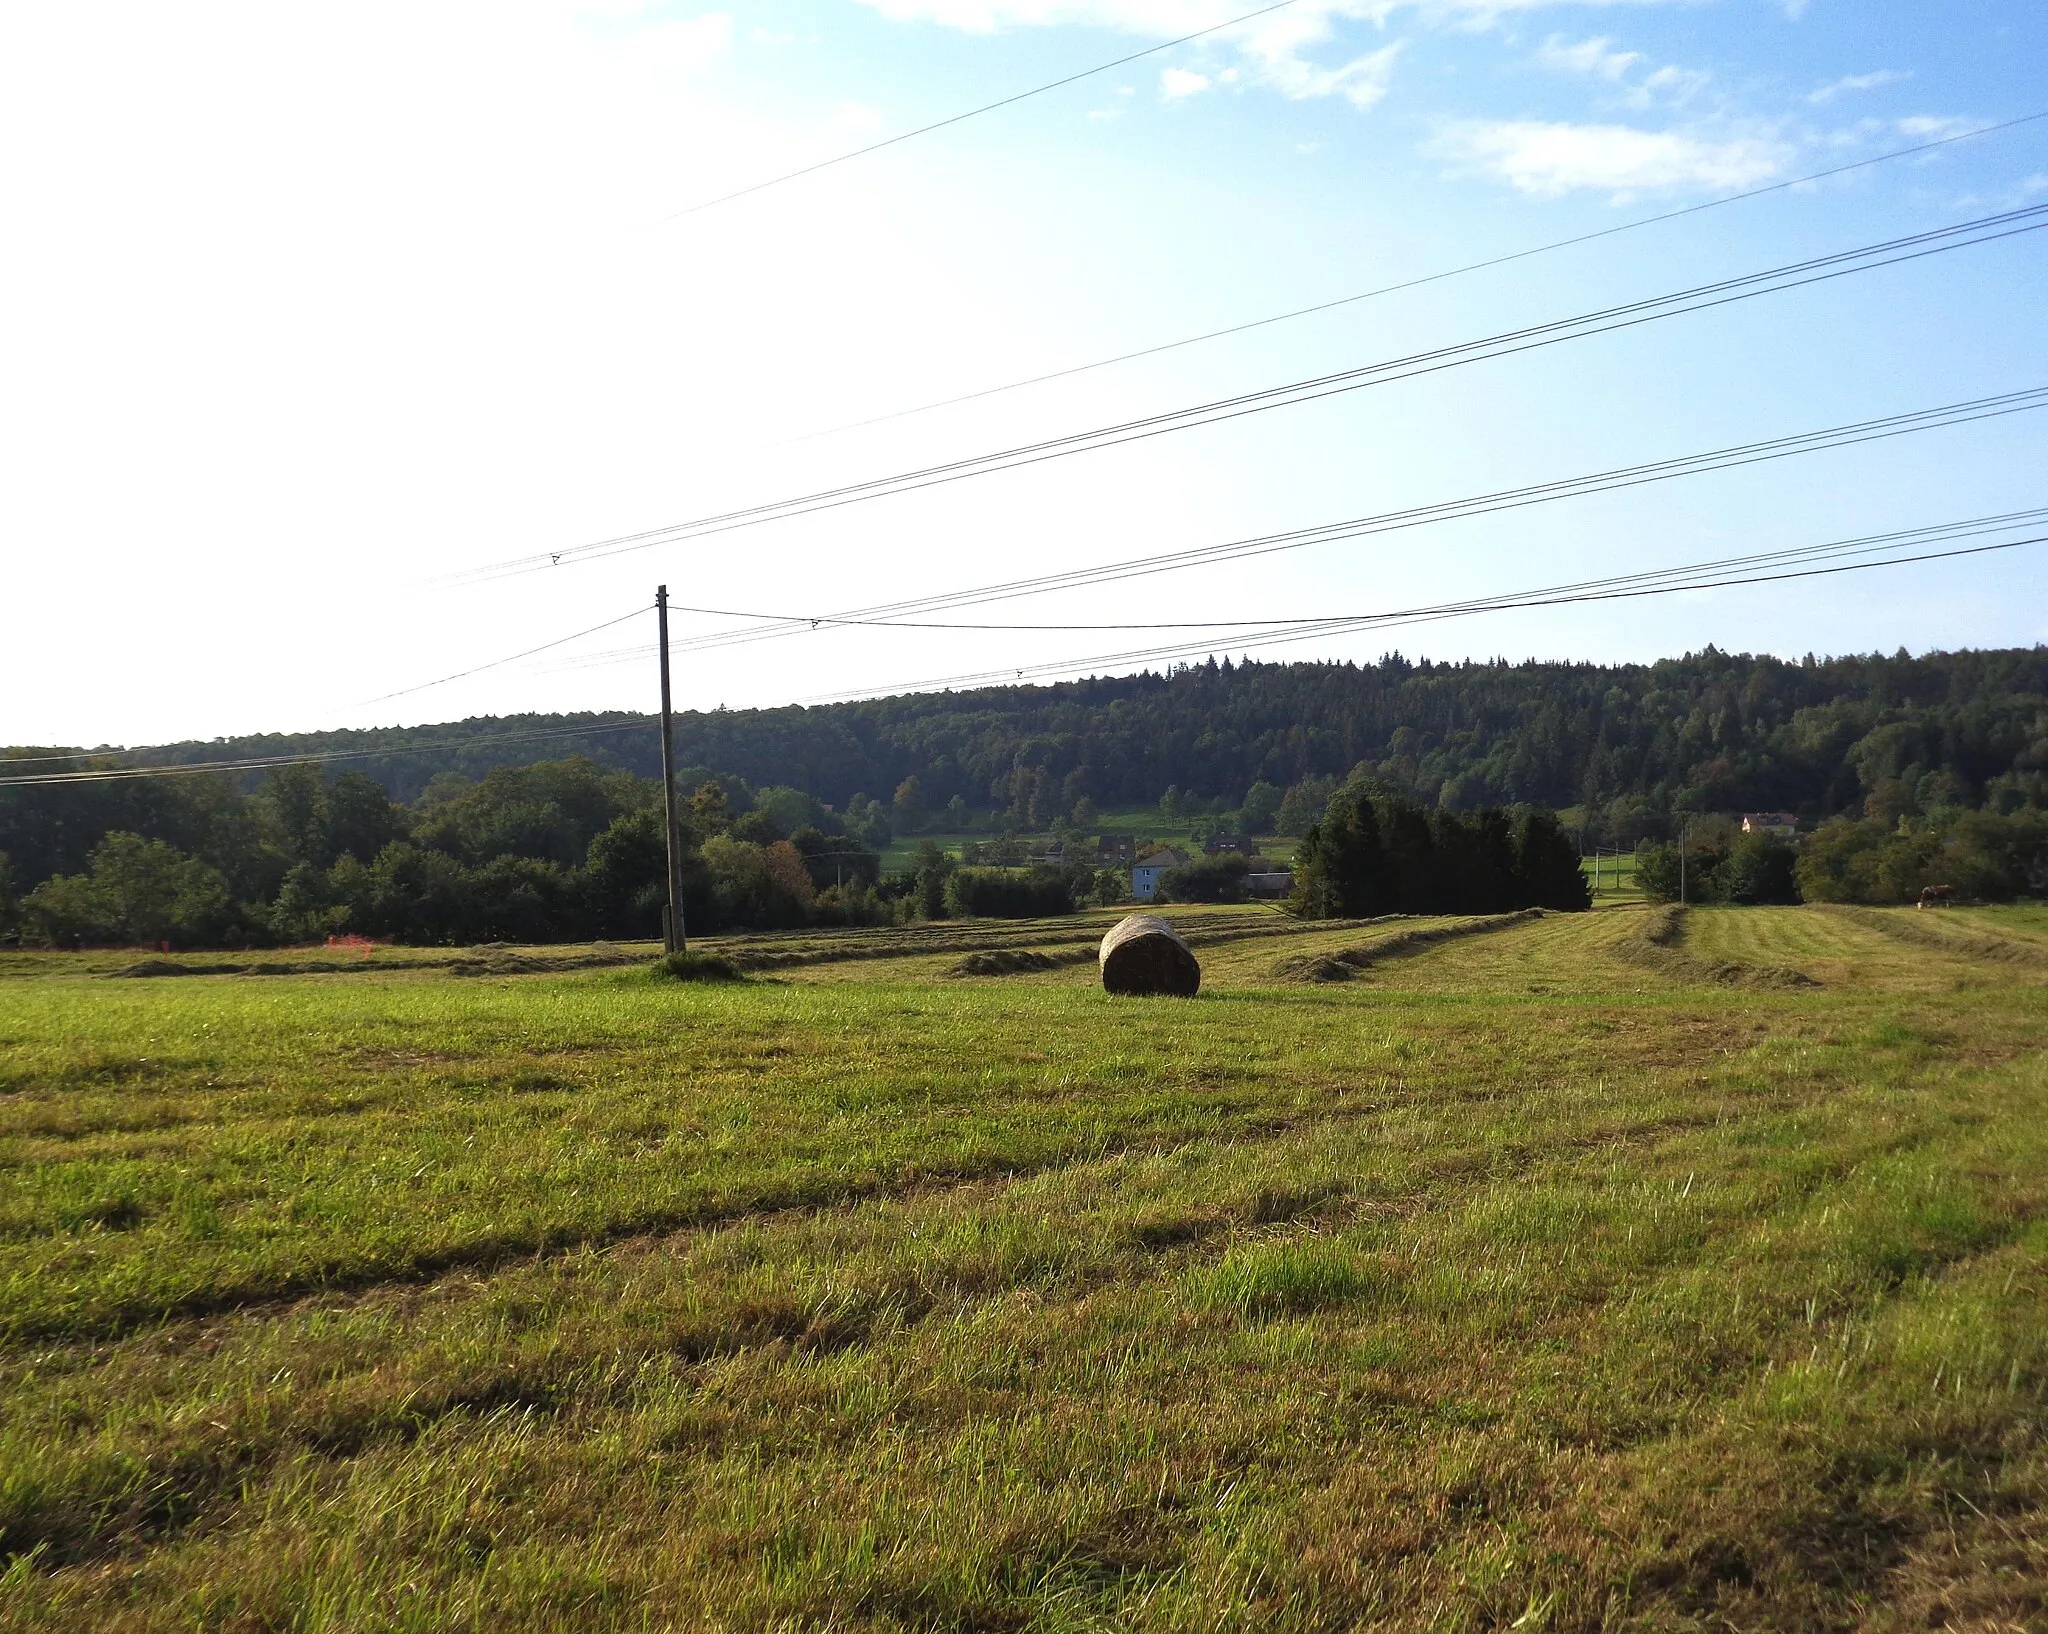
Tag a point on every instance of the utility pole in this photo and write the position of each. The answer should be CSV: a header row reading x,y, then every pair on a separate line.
x,y
1682,825
672,920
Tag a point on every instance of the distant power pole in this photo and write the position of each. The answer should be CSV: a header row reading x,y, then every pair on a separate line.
x,y
1682,825
672,921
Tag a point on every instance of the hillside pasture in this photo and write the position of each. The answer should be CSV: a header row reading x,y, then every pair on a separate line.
x,y
1580,1272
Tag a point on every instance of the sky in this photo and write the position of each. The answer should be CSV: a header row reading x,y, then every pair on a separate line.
x,y
309,312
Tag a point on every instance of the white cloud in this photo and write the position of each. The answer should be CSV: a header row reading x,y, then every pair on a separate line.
x,y
684,47
1546,160
1929,125
1600,59
1277,49
1668,87
1362,81
1850,84
1277,46
1164,19
857,116
1596,57
1175,83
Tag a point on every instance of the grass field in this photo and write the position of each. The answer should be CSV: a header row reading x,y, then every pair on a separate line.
x,y
1139,822
1626,1270
1614,880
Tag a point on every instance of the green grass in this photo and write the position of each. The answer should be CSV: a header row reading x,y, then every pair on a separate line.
x,y
1521,1282
1616,879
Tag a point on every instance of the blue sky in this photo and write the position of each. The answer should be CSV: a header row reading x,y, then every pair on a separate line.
x,y
318,305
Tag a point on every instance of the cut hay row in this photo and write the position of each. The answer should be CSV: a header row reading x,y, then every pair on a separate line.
x,y
1043,956
1041,952
1343,964
1927,931
1017,961
1203,930
146,968
1658,944
750,951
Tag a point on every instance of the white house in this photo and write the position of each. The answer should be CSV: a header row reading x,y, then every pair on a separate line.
x,y
1770,822
1146,872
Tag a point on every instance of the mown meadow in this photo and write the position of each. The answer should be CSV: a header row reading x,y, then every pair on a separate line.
x,y
1640,1269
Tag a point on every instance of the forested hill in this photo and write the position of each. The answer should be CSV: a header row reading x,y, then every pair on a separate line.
x,y
1710,731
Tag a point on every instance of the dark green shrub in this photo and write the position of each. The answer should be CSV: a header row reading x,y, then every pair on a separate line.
x,y
1761,869
625,875
1986,856
1008,893
1206,879
1375,851
1547,872
136,891
692,966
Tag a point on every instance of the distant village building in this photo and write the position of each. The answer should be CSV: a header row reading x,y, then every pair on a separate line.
x,y
1278,883
1113,849
1232,845
1770,822
1146,872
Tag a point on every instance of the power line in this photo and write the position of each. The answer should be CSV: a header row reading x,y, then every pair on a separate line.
x,y
1980,524
1530,599
69,754
1725,573
1701,297
464,674
776,625
1414,283
267,762
974,113
1707,575
1769,449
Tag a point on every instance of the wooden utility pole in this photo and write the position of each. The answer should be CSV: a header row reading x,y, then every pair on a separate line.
x,y
672,921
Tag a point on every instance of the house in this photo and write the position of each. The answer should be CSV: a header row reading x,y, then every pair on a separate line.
x,y
1770,822
1147,870
1232,845
1278,883
1113,849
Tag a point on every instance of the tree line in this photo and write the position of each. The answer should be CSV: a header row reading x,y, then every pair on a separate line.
x,y
553,851
1628,749
1912,768
1377,851
1984,856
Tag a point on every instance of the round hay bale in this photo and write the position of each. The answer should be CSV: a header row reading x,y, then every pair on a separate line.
x,y
1144,954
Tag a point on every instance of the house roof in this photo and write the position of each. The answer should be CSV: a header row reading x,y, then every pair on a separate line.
x,y
1163,858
